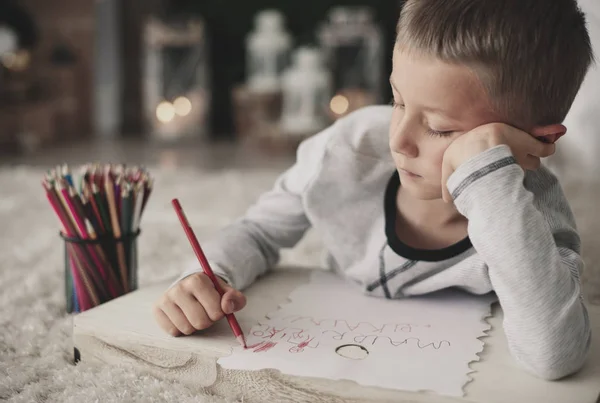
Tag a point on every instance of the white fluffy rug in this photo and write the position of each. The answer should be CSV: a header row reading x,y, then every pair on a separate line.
x,y
35,337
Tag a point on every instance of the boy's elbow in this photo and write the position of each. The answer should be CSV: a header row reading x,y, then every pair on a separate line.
x,y
568,363
559,370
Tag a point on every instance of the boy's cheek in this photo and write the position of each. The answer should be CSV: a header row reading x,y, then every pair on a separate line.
x,y
434,175
439,159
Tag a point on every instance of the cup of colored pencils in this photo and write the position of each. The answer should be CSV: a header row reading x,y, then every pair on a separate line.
x,y
99,211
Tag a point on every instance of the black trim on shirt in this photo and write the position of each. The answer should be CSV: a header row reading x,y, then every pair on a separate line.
x,y
494,166
404,250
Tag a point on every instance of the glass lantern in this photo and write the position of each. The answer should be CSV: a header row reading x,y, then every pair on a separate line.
x,y
268,49
176,82
306,91
353,48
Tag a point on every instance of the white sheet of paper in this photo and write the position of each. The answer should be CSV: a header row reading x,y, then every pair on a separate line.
x,y
415,344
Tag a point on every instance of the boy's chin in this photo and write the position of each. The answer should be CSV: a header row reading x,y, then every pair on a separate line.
x,y
420,192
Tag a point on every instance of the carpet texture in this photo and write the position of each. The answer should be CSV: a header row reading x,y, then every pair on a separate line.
x,y
35,336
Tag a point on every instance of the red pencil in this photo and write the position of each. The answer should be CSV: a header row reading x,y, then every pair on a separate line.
x,y
233,323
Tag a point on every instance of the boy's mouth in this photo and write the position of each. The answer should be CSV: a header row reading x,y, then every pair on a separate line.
x,y
408,173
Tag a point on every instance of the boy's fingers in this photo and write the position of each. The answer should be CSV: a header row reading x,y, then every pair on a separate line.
x,y
202,288
232,301
446,196
210,299
177,317
547,150
165,323
196,314
550,133
541,149
224,284
197,282
531,163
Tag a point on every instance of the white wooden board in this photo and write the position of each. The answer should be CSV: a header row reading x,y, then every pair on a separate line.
x,y
124,331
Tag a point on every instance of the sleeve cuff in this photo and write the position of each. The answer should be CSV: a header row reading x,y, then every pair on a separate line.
x,y
478,167
486,176
193,268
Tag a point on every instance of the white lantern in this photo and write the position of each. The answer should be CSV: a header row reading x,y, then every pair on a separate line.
x,y
268,48
352,43
306,93
8,40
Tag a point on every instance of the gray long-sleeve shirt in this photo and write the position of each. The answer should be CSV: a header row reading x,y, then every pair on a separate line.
x,y
522,240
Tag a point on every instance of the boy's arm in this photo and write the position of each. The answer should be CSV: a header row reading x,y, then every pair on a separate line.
x,y
529,241
248,247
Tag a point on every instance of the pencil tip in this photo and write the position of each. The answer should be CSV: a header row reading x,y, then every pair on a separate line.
x,y
241,340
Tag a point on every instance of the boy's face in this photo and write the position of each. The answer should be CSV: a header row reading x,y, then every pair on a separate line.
x,y
434,103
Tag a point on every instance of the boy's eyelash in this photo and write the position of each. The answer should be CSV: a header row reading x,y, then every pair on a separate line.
x,y
431,132
436,133
395,104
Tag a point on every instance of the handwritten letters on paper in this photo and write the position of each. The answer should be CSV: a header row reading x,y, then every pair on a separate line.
x,y
331,330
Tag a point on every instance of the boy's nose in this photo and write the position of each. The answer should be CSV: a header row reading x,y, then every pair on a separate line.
x,y
402,142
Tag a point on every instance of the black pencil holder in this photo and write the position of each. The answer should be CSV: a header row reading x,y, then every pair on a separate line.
x,y
99,270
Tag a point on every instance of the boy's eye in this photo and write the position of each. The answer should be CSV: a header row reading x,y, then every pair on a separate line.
x,y
396,104
437,133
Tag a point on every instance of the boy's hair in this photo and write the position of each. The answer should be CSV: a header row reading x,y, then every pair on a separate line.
x,y
531,55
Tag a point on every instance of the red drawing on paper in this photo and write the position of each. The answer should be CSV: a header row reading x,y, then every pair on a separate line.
x,y
265,347
300,347
361,333
354,326
262,346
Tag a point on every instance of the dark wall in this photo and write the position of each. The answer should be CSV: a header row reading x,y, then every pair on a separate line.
x,y
228,23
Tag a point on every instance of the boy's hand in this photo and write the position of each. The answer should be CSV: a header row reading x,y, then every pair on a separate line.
x,y
526,148
194,304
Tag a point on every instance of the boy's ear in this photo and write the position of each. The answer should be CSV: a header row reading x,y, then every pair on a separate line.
x,y
549,134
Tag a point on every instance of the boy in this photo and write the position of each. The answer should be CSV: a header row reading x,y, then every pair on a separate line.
x,y
453,196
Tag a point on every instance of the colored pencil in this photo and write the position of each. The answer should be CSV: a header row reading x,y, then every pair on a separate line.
x,y
126,210
95,209
112,281
66,229
114,219
233,323
78,273
92,259
82,281
137,210
102,207
138,192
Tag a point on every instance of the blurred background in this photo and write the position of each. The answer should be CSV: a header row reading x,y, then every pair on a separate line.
x,y
235,83
221,85
160,81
